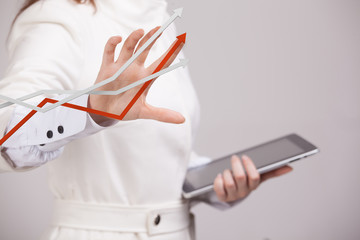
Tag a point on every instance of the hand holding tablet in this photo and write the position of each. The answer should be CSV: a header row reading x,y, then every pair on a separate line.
x,y
266,157
242,179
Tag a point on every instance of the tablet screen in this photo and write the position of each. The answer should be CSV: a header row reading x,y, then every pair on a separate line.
x,y
262,155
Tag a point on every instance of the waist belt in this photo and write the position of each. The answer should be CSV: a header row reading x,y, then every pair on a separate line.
x,y
112,217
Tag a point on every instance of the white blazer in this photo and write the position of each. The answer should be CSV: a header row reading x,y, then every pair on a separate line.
x,y
141,164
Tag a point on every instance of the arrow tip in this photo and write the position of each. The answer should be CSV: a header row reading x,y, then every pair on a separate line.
x,y
182,37
178,11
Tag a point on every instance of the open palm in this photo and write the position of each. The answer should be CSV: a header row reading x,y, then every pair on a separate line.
x,y
116,103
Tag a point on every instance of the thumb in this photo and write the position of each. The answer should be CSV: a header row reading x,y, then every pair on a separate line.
x,y
275,173
161,114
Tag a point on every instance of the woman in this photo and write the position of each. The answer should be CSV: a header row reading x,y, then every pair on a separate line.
x,y
114,179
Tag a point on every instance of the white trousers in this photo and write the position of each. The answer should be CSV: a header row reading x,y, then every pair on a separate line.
x,y
80,221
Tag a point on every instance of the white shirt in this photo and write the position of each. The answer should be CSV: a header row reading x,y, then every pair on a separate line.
x,y
131,163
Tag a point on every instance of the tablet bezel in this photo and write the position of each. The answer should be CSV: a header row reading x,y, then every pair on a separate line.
x,y
309,149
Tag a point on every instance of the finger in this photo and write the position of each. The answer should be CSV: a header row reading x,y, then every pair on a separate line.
x,y
109,51
219,188
161,114
142,57
129,45
239,176
252,172
230,186
275,173
155,64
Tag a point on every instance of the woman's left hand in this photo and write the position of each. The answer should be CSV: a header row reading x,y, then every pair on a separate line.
x,y
234,185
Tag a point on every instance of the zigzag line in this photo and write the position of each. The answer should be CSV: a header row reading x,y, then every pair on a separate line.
x,y
181,39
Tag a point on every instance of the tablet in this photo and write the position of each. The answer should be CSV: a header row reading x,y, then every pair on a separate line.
x,y
266,157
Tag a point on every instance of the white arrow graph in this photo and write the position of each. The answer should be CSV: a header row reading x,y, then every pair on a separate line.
x,y
91,90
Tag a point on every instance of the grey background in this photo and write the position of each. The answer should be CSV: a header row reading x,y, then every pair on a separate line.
x,y
262,69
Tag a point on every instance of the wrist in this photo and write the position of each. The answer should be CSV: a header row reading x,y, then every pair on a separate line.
x,y
99,119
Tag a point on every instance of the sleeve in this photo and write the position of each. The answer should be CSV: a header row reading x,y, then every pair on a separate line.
x,y
209,198
43,137
45,52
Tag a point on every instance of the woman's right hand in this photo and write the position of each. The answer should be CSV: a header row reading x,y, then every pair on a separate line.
x,y
236,184
115,104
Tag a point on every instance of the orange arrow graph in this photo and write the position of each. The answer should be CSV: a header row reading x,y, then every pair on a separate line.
x,y
180,39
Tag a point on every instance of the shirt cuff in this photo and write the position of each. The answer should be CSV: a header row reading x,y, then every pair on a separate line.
x,y
29,147
211,199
